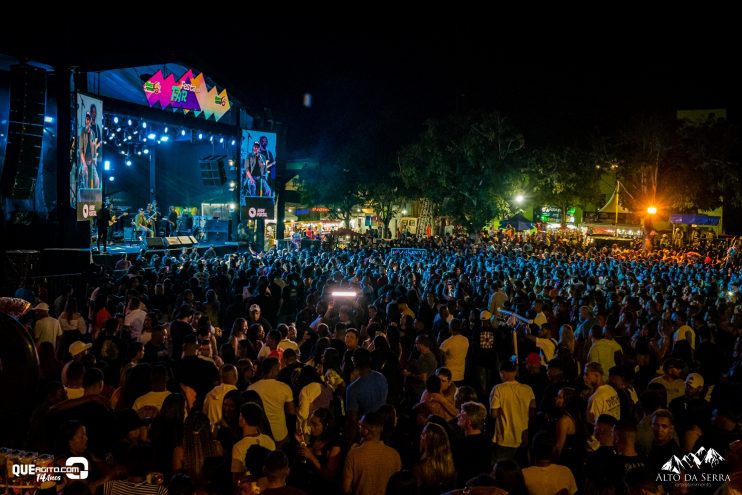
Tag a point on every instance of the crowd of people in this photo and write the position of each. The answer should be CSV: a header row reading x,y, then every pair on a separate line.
x,y
505,364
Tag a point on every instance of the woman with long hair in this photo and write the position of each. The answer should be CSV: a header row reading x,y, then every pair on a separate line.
x,y
72,323
570,434
166,433
239,332
322,451
199,445
228,431
435,471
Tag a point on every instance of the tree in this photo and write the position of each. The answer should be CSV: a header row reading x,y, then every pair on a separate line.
x,y
679,164
385,195
562,177
465,165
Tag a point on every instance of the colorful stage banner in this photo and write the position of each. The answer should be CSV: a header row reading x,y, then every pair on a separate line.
x,y
86,185
189,93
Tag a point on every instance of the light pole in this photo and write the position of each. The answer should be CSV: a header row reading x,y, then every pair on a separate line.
x,y
649,227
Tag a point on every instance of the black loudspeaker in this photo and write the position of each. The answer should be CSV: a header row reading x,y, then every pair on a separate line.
x,y
171,241
212,170
25,131
155,243
217,230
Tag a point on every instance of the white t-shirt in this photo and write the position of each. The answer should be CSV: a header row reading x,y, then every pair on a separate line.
x,y
548,480
275,395
514,400
604,401
213,402
548,349
47,330
239,450
454,350
683,332
151,400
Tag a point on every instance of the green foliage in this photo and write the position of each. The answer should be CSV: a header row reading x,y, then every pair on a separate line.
x,y
680,165
561,177
466,165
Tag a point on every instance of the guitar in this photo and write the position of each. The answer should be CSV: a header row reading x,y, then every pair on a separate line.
x,y
116,217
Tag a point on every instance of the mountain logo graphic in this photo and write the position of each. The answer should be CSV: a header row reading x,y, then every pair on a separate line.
x,y
693,460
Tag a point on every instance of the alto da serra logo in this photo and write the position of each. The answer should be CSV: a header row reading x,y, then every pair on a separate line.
x,y
695,460
693,469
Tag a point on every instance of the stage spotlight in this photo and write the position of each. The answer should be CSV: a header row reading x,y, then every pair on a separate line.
x,y
144,125
182,132
233,142
232,184
115,120
200,135
151,135
211,139
146,151
48,119
165,129
221,140
128,163
232,206
128,122
164,139
136,131
118,129
111,178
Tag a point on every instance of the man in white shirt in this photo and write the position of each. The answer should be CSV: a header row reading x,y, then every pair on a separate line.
x,y
454,350
250,417
604,399
215,397
512,404
543,477
47,328
134,318
277,397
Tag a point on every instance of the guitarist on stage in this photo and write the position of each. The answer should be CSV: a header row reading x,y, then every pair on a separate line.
x,y
257,168
103,218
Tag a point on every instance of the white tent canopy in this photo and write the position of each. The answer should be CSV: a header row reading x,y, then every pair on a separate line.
x,y
612,206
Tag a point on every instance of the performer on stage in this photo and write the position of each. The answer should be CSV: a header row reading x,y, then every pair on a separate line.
x,y
142,224
103,218
171,222
256,173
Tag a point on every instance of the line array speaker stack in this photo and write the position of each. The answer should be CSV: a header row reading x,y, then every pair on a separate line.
x,y
25,131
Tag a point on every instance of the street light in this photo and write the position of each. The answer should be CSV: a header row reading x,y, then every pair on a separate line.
x,y
518,199
652,210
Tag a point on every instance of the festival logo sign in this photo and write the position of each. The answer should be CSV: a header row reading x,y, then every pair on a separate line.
x,y
189,93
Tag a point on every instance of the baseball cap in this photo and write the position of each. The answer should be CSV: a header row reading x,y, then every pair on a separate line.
x,y
254,307
694,380
533,359
485,315
41,306
77,347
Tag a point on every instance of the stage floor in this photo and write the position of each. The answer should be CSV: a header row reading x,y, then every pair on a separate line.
x,y
115,251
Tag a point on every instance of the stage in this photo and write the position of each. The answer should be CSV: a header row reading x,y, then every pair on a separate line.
x,y
115,251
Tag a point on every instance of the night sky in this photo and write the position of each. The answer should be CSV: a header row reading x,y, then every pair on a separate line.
x,y
554,80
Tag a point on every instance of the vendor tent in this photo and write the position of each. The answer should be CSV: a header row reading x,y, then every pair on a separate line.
x,y
517,221
693,219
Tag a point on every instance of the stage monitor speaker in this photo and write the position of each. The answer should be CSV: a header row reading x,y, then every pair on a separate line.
x,y
212,170
171,241
185,241
155,242
25,131
193,239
